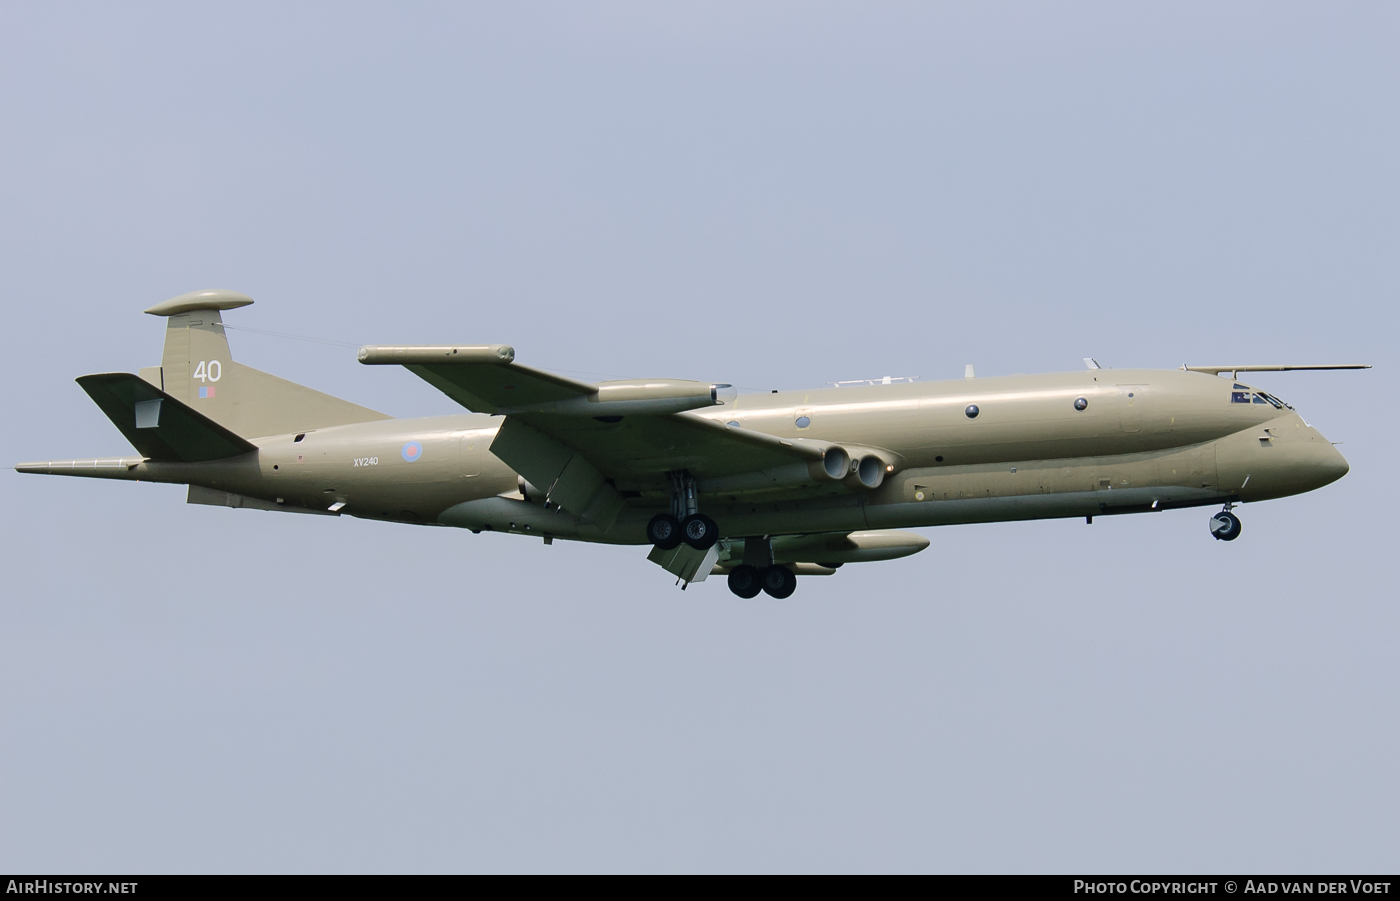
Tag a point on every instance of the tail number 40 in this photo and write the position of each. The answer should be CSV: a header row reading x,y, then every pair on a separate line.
x,y
210,370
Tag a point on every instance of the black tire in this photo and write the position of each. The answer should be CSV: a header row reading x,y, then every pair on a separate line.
x,y
745,581
779,582
1225,526
664,531
699,531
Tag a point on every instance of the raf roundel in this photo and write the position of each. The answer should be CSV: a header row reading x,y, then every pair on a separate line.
x,y
412,451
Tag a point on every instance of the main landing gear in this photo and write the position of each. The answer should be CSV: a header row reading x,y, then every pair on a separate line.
x,y
758,572
684,522
747,581
1225,526
696,530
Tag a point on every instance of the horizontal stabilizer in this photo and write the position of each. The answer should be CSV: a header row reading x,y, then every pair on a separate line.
x,y
158,425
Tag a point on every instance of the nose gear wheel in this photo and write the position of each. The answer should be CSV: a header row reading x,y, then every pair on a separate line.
x,y
1225,526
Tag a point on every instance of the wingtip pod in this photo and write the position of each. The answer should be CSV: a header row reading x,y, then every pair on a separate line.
x,y
213,299
376,355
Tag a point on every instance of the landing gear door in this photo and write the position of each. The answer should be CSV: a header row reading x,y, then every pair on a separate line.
x,y
1131,399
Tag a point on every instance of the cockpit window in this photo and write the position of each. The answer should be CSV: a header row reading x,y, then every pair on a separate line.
x,y
1243,394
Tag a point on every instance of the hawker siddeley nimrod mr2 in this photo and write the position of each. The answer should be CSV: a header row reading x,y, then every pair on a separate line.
x,y
760,487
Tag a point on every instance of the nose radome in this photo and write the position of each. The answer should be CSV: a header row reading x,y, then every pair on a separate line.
x,y
1325,464
1333,465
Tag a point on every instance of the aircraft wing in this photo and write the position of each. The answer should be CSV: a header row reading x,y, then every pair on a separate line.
x,y
483,378
583,443
642,449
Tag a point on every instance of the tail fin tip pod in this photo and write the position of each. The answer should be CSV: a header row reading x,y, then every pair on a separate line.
x,y
212,299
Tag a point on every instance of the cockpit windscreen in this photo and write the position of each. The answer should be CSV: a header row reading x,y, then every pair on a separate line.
x,y
1243,394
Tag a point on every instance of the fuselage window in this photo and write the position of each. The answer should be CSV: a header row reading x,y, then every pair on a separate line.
x,y
972,411
803,422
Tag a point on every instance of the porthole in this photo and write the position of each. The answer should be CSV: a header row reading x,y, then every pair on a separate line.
x,y
938,459
803,422
972,411
733,423
1082,404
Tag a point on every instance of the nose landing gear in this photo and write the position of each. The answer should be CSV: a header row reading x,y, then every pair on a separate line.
x,y
1225,526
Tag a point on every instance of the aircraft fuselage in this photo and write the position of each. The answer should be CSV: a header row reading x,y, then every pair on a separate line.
x,y
1087,443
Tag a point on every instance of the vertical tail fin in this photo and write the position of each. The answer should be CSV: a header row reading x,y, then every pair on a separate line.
x,y
198,370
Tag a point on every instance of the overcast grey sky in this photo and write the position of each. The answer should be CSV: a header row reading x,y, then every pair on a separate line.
x,y
776,196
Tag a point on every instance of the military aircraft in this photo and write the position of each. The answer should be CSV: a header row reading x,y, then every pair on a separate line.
x,y
761,488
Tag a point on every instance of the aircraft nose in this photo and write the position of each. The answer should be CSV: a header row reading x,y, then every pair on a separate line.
x,y
1332,466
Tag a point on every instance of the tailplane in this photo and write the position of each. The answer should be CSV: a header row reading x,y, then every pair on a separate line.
x,y
158,425
197,370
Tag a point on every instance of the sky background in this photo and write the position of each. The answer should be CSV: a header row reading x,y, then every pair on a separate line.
x,y
773,195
